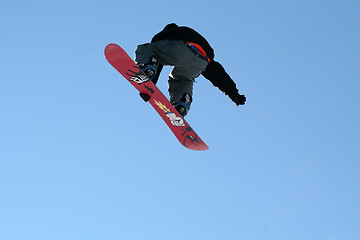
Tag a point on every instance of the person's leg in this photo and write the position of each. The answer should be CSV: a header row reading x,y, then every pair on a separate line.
x,y
148,62
187,66
182,77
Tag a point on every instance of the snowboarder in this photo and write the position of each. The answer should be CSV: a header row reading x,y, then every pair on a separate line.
x,y
191,55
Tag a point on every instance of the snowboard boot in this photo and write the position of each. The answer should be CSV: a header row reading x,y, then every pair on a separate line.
x,y
150,69
183,106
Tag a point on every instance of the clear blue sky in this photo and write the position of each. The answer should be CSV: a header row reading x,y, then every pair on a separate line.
x,y
83,157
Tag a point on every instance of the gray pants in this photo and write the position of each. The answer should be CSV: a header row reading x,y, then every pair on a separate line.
x,y
187,66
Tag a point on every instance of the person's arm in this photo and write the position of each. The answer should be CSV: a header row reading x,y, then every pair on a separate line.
x,y
217,75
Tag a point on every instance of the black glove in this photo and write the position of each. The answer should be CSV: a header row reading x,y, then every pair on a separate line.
x,y
238,99
145,97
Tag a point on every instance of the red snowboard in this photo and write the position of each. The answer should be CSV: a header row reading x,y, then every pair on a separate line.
x,y
121,61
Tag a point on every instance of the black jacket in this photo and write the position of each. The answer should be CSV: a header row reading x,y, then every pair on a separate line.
x,y
214,72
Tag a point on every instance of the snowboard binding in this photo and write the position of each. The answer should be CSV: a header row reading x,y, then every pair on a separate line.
x,y
183,106
150,69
